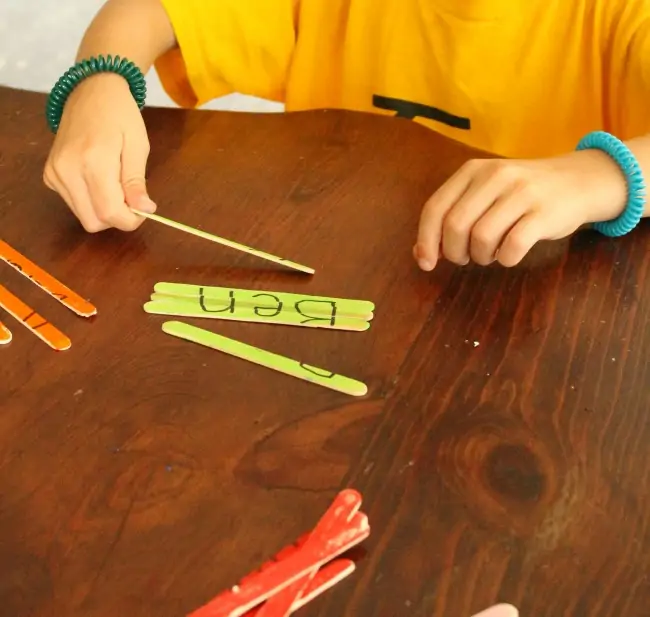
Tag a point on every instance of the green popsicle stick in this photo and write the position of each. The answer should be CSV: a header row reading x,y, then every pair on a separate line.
x,y
195,307
362,309
265,358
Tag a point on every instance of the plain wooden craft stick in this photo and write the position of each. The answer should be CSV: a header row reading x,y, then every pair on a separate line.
x,y
224,242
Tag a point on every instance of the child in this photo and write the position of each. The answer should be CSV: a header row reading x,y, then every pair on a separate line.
x,y
524,79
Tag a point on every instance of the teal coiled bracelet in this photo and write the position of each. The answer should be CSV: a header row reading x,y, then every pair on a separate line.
x,y
85,68
636,187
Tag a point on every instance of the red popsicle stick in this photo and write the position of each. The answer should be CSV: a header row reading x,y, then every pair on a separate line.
x,y
280,605
342,527
325,579
239,600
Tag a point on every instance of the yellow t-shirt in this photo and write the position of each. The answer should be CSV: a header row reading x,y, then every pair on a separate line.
x,y
519,78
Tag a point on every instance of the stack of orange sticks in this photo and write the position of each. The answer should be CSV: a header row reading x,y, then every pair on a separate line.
x,y
26,315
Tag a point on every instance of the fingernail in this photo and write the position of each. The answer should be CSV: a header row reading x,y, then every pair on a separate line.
x,y
424,263
146,205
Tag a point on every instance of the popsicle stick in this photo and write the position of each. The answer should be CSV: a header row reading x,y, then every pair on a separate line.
x,y
190,307
46,282
343,526
224,242
33,321
269,302
268,359
272,303
239,600
361,309
328,576
325,579
5,334
335,521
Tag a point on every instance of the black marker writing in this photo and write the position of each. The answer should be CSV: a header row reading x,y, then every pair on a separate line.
x,y
15,265
22,271
319,372
277,309
331,317
29,316
230,308
34,326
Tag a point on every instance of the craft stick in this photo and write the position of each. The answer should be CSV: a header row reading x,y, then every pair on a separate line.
x,y
33,321
239,600
341,528
306,307
347,502
5,334
336,520
46,282
325,579
361,309
224,242
190,307
268,359
283,553
275,302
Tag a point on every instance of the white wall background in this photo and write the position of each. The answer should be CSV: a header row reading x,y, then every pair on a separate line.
x,y
39,40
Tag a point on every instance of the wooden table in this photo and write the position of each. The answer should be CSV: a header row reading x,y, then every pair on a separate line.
x,y
502,450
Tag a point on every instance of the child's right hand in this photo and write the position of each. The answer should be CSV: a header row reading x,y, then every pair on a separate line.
x,y
98,160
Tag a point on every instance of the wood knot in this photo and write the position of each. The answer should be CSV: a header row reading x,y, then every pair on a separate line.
x,y
513,471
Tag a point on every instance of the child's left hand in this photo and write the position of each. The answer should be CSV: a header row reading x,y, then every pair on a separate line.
x,y
497,210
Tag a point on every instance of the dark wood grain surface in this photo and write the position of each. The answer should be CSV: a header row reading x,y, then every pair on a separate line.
x,y
502,451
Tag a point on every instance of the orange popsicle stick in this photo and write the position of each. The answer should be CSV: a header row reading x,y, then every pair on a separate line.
x,y
5,334
33,321
46,281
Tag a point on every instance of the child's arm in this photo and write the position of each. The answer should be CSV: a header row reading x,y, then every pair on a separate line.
x,y
137,29
497,210
98,160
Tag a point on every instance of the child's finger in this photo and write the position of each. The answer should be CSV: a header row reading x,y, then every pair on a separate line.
x,y
478,199
80,202
520,239
489,233
54,183
135,152
429,237
500,610
108,197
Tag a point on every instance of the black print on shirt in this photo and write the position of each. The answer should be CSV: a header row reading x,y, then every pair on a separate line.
x,y
411,110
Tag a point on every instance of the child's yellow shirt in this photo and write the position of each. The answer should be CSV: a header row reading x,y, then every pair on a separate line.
x,y
519,78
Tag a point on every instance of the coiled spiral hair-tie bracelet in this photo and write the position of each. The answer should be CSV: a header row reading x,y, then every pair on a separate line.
x,y
636,186
85,68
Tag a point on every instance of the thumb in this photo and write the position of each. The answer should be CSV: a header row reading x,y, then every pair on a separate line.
x,y
134,164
